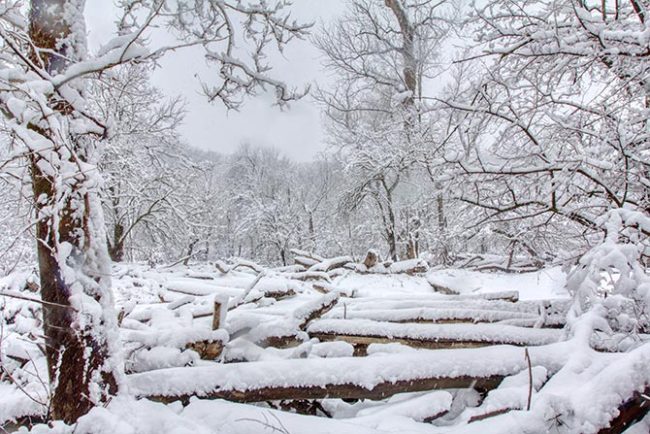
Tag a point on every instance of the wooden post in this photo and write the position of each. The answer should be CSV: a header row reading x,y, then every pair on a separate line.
x,y
220,310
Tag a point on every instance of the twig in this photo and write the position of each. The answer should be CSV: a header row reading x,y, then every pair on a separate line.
x,y
33,300
11,378
530,379
267,424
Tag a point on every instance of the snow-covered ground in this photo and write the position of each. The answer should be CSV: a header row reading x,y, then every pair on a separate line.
x,y
370,334
547,283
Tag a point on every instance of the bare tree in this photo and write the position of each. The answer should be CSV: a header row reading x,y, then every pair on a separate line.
x,y
144,165
383,53
45,67
566,100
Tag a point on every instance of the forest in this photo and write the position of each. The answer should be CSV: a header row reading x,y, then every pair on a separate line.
x,y
468,252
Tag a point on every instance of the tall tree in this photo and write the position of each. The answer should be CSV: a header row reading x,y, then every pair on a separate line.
x,y
43,74
144,165
383,53
79,322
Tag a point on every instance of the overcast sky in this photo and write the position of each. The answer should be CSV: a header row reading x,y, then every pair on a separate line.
x,y
297,132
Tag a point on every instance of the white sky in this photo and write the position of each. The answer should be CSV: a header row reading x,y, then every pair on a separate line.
x,y
297,132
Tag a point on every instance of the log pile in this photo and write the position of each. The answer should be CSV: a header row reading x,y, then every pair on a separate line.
x,y
294,344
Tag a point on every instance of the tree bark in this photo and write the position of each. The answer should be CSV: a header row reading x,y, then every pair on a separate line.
x,y
442,230
71,240
407,50
190,251
116,248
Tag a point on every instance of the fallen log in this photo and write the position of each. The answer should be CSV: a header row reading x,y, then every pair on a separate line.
x,y
207,343
331,264
505,300
306,254
282,334
438,315
424,407
630,412
225,268
443,289
281,341
315,309
326,288
558,308
305,262
346,377
355,391
207,350
409,266
306,276
361,343
362,333
278,294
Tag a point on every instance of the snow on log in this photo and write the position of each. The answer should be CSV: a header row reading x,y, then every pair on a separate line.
x,y
456,302
423,408
631,411
326,288
409,266
306,254
180,302
345,377
305,262
280,333
511,296
315,309
512,394
16,404
198,288
613,398
159,345
426,300
432,336
331,264
225,268
222,267
372,257
437,315
243,263
177,337
308,275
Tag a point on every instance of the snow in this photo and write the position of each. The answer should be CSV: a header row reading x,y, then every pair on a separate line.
x,y
366,373
16,403
434,314
378,285
540,285
418,409
161,321
496,333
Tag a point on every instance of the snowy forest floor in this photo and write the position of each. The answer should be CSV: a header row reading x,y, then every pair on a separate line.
x,y
252,350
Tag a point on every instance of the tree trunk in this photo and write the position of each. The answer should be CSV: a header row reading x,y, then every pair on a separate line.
x,y
392,228
409,68
80,325
442,230
411,248
116,248
283,256
190,251
392,244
